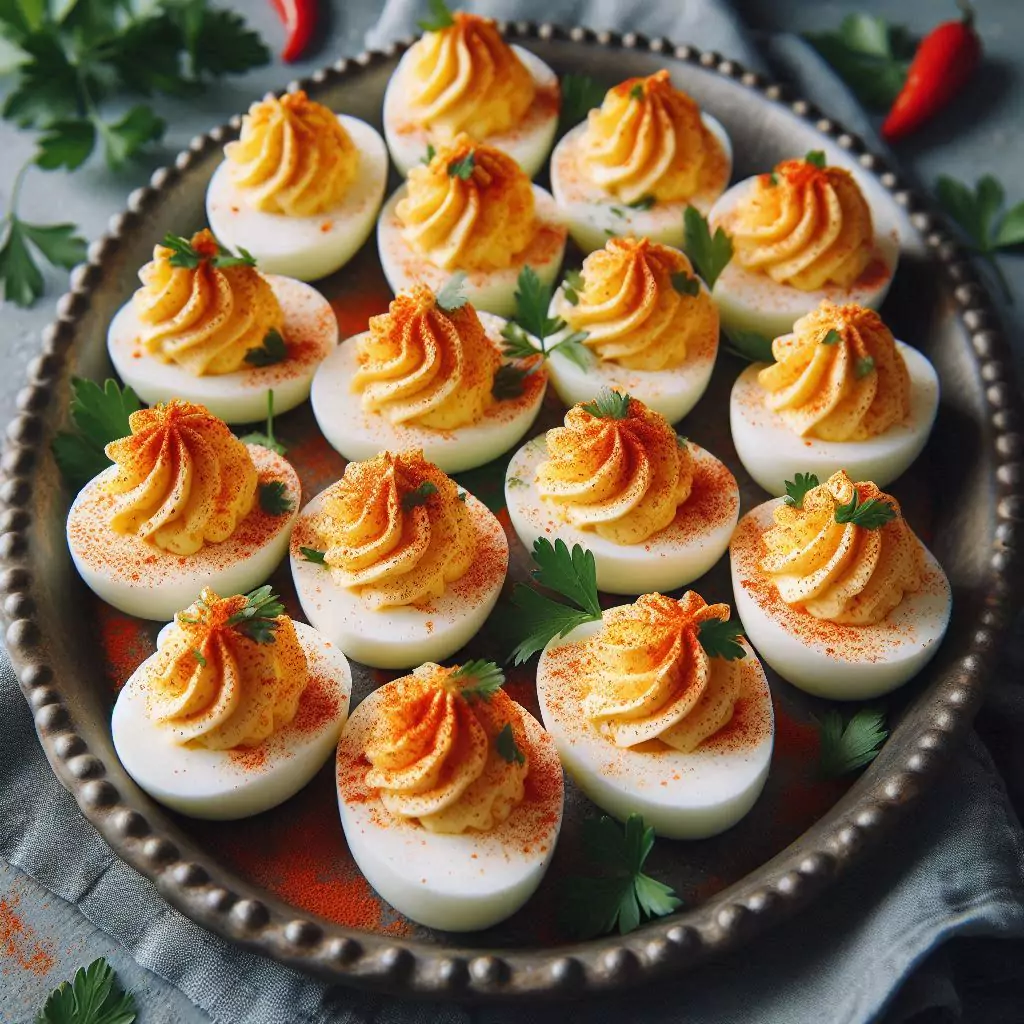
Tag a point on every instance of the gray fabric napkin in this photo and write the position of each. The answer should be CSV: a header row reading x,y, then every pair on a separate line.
x,y
839,961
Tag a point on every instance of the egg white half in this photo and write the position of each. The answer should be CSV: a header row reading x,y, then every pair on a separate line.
x,y
594,215
408,636
685,550
458,883
772,452
683,796
224,785
672,393
751,301
144,580
306,248
490,290
826,659
528,143
310,332
360,435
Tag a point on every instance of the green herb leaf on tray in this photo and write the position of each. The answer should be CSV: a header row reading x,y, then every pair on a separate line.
x,y
439,18
505,745
478,679
419,495
846,747
93,997
749,345
267,438
609,405
863,367
816,158
274,498
452,295
870,515
721,639
272,351
620,896
462,168
709,254
580,95
258,619
685,284
796,489
313,555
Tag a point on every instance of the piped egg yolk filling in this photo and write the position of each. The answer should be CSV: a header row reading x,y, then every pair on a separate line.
x,y
293,157
470,208
838,376
436,757
647,677
207,317
213,685
394,530
647,140
420,364
641,305
624,478
841,572
466,78
183,479
804,226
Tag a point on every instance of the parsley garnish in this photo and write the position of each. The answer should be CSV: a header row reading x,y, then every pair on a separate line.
x,y
621,896
833,337
266,439
94,997
258,619
685,284
710,254
505,745
643,203
463,495
273,350
451,296
796,490
816,158
198,654
313,555
509,381
430,154
864,367
419,495
773,178
100,415
184,254
274,498
749,345
462,168
871,514
721,639
845,748
609,405
479,679
440,17
572,286
580,94
682,440
637,92
574,576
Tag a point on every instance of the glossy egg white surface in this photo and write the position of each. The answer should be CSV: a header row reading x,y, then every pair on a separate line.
x,y
455,882
528,143
594,216
306,248
142,579
407,636
826,659
685,550
772,452
490,290
360,435
683,796
228,784
310,332
672,393
751,301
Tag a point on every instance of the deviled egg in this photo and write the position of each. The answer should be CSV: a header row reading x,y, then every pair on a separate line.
x,y
835,590
428,374
397,565
470,209
661,709
655,509
636,164
842,393
464,77
236,711
801,234
209,327
301,187
450,795
647,322
186,505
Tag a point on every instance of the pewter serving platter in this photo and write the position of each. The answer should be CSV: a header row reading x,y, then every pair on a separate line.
x,y
284,883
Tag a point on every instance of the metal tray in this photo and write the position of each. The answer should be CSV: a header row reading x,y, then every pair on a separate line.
x,y
283,883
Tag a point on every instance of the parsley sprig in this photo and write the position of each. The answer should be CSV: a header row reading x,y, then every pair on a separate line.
x,y
185,255
439,18
710,254
847,746
314,555
267,438
93,997
573,575
463,167
270,353
871,514
609,405
816,158
797,488
749,345
452,295
721,639
258,619
580,95
100,415
506,746
274,498
621,895
478,679
419,495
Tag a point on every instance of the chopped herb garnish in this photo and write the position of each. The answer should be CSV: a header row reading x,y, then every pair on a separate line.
x,y
510,381
643,203
609,405
572,286
258,619
833,337
845,748
439,18
463,495
682,440
871,514
796,490
637,92
313,555
478,680
505,745
749,345
273,350
185,256
580,95
451,296
685,284
816,157
419,495
430,154
617,211
266,439
199,656
720,639
274,498
94,997
462,168
710,254
515,481
773,178
864,367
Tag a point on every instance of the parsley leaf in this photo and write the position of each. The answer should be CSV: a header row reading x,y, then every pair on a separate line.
x,y
796,490
871,514
505,745
863,367
533,298
572,286
572,347
66,144
430,154
721,639
685,284
480,679
274,498
462,168
20,277
258,619
847,747
643,203
816,158
710,254
621,896
637,92
509,381
199,656
419,495
833,337
440,17
609,405
100,415
580,95
272,351
126,137
93,997
451,296
266,439
313,555
185,255
749,345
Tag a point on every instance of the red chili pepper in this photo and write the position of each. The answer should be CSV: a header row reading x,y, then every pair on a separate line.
x,y
299,17
944,61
